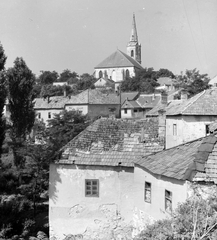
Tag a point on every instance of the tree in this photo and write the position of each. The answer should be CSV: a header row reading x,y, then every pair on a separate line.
x,y
64,127
192,81
20,81
3,95
67,75
86,81
162,72
196,219
47,77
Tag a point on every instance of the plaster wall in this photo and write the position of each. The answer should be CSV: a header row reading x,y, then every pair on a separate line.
x,y
145,212
126,115
116,74
188,128
82,108
103,110
105,217
44,113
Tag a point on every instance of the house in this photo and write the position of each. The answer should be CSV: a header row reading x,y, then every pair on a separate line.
x,y
114,178
188,119
92,186
104,83
166,83
213,81
92,102
118,66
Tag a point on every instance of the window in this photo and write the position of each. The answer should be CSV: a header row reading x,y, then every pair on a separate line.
x,y
132,53
39,115
174,130
127,73
207,129
148,192
125,111
135,110
91,187
100,74
168,201
49,115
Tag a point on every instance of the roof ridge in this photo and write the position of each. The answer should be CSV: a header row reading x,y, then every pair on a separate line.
x,y
190,103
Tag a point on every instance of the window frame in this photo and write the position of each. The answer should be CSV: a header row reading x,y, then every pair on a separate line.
x,y
146,190
91,194
168,197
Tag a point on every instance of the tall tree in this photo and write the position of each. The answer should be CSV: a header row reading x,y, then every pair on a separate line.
x,y
3,95
20,80
67,75
86,81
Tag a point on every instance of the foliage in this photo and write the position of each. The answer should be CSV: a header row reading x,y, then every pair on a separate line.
x,y
86,81
68,76
20,82
3,95
52,90
47,77
144,81
64,127
192,81
194,219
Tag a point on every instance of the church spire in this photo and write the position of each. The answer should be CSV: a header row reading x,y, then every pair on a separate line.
x,y
133,46
134,37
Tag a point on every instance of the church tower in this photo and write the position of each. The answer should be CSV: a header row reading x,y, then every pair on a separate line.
x,y
133,47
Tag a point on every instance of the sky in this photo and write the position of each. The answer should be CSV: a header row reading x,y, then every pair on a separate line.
x,y
54,35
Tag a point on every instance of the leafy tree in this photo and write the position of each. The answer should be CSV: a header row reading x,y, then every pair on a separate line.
x,y
164,73
64,127
47,77
20,81
192,81
3,95
196,219
67,75
86,81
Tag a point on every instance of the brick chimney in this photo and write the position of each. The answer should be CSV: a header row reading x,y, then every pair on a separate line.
x,y
162,123
164,98
184,95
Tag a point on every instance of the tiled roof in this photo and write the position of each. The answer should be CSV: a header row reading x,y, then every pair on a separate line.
x,y
184,161
126,95
110,141
204,103
165,81
119,59
148,100
51,103
130,104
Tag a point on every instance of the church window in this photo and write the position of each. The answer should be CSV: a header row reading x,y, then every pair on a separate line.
x,y
132,53
148,192
127,73
91,187
174,130
100,74
123,74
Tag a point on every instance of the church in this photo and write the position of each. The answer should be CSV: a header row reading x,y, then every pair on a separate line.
x,y
119,65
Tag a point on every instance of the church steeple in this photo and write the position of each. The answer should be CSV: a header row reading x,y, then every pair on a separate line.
x,y
133,47
134,37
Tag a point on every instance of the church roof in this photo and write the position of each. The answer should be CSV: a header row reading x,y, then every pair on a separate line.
x,y
119,59
134,36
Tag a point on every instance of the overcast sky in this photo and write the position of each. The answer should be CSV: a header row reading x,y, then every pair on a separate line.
x,y
79,34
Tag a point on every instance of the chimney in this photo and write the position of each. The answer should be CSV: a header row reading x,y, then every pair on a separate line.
x,y
162,123
164,99
184,95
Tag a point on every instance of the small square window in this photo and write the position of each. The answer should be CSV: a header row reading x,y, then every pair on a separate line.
x,y
125,111
49,115
168,201
148,192
91,188
174,130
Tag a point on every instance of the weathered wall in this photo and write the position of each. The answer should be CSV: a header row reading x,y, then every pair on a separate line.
x,y
96,110
145,212
188,128
116,74
105,217
82,108
44,113
131,114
